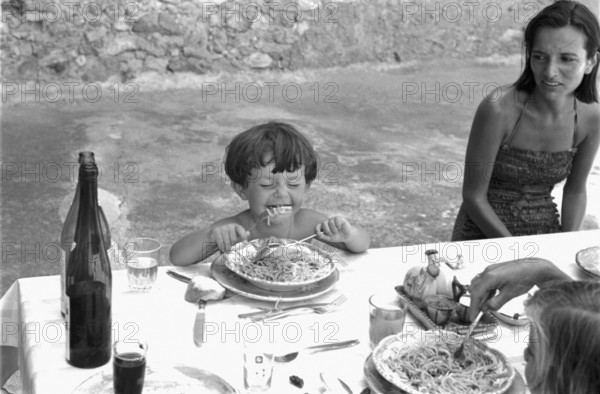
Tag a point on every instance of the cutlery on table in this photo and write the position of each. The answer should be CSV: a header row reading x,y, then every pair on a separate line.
x,y
178,276
330,307
199,323
264,312
334,385
317,348
459,354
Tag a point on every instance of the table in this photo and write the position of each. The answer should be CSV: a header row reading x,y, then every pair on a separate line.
x,y
32,322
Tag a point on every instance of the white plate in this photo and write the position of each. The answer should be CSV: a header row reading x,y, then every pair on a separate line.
x,y
246,253
379,385
180,379
513,312
589,260
389,347
232,281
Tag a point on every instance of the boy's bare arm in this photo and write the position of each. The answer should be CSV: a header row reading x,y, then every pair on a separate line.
x,y
338,231
200,244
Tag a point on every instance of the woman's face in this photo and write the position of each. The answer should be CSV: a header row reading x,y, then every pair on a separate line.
x,y
559,61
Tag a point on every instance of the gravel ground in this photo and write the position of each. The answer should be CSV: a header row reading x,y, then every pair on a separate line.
x,y
391,140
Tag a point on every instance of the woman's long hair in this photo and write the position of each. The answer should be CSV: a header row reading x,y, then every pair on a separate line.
x,y
566,326
560,14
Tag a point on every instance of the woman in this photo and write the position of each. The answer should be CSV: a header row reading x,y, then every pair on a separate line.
x,y
563,355
542,130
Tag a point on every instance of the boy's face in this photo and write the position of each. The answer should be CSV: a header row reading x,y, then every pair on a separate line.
x,y
266,190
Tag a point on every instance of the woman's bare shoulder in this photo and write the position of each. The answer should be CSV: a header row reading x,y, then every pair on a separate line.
x,y
498,112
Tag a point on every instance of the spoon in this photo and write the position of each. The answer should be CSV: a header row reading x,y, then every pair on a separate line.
x,y
318,348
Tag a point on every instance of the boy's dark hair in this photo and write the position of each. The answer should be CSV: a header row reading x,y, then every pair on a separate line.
x,y
281,142
560,14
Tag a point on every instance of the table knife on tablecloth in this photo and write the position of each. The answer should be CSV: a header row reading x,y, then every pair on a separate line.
x,y
199,323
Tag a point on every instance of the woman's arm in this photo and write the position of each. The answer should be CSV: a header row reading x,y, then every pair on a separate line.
x,y
574,193
511,279
487,134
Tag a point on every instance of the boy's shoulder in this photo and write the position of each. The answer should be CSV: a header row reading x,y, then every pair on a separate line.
x,y
306,214
243,219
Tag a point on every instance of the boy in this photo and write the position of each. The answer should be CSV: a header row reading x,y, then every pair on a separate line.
x,y
271,166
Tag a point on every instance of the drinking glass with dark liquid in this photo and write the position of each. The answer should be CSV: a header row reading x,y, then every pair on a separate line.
x,y
129,366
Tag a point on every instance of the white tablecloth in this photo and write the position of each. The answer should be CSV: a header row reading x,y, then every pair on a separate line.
x,y
32,322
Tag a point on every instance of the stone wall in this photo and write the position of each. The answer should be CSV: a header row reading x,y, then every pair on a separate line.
x,y
100,40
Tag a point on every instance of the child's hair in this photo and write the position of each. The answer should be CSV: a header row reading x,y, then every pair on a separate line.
x,y
560,14
272,142
566,318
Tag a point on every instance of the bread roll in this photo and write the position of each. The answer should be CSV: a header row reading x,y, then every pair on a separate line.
x,y
204,288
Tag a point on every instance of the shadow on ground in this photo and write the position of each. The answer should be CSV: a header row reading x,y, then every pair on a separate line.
x,y
391,140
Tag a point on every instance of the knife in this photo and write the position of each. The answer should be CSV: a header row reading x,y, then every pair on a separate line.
x,y
178,276
334,385
199,323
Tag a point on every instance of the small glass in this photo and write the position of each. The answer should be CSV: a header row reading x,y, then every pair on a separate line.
x,y
387,312
258,365
129,366
141,259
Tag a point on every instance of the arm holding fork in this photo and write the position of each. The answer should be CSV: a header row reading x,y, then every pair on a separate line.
x,y
199,245
340,231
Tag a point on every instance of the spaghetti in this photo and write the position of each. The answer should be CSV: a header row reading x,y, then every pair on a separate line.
x,y
430,367
282,262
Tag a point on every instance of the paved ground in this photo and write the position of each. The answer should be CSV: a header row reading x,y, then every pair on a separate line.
x,y
391,140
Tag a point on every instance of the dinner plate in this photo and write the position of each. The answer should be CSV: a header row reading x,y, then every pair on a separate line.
x,y
389,347
179,379
244,254
513,312
485,327
378,385
589,261
232,281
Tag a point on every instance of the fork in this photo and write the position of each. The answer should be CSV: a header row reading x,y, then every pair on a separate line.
x,y
459,354
309,237
330,307
261,217
269,212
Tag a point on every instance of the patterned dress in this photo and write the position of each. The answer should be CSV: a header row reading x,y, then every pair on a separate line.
x,y
520,190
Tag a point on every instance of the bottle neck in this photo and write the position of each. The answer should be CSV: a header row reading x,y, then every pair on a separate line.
x,y
88,221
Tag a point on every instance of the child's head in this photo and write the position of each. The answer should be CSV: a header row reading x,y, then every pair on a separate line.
x,y
274,143
558,15
564,351
271,166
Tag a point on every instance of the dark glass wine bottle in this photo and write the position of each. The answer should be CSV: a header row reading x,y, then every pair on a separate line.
x,y
88,282
67,235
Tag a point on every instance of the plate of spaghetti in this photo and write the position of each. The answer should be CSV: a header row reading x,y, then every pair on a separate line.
x,y
279,264
425,363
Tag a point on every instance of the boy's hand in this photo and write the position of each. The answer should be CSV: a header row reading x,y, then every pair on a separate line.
x,y
336,229
228,235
